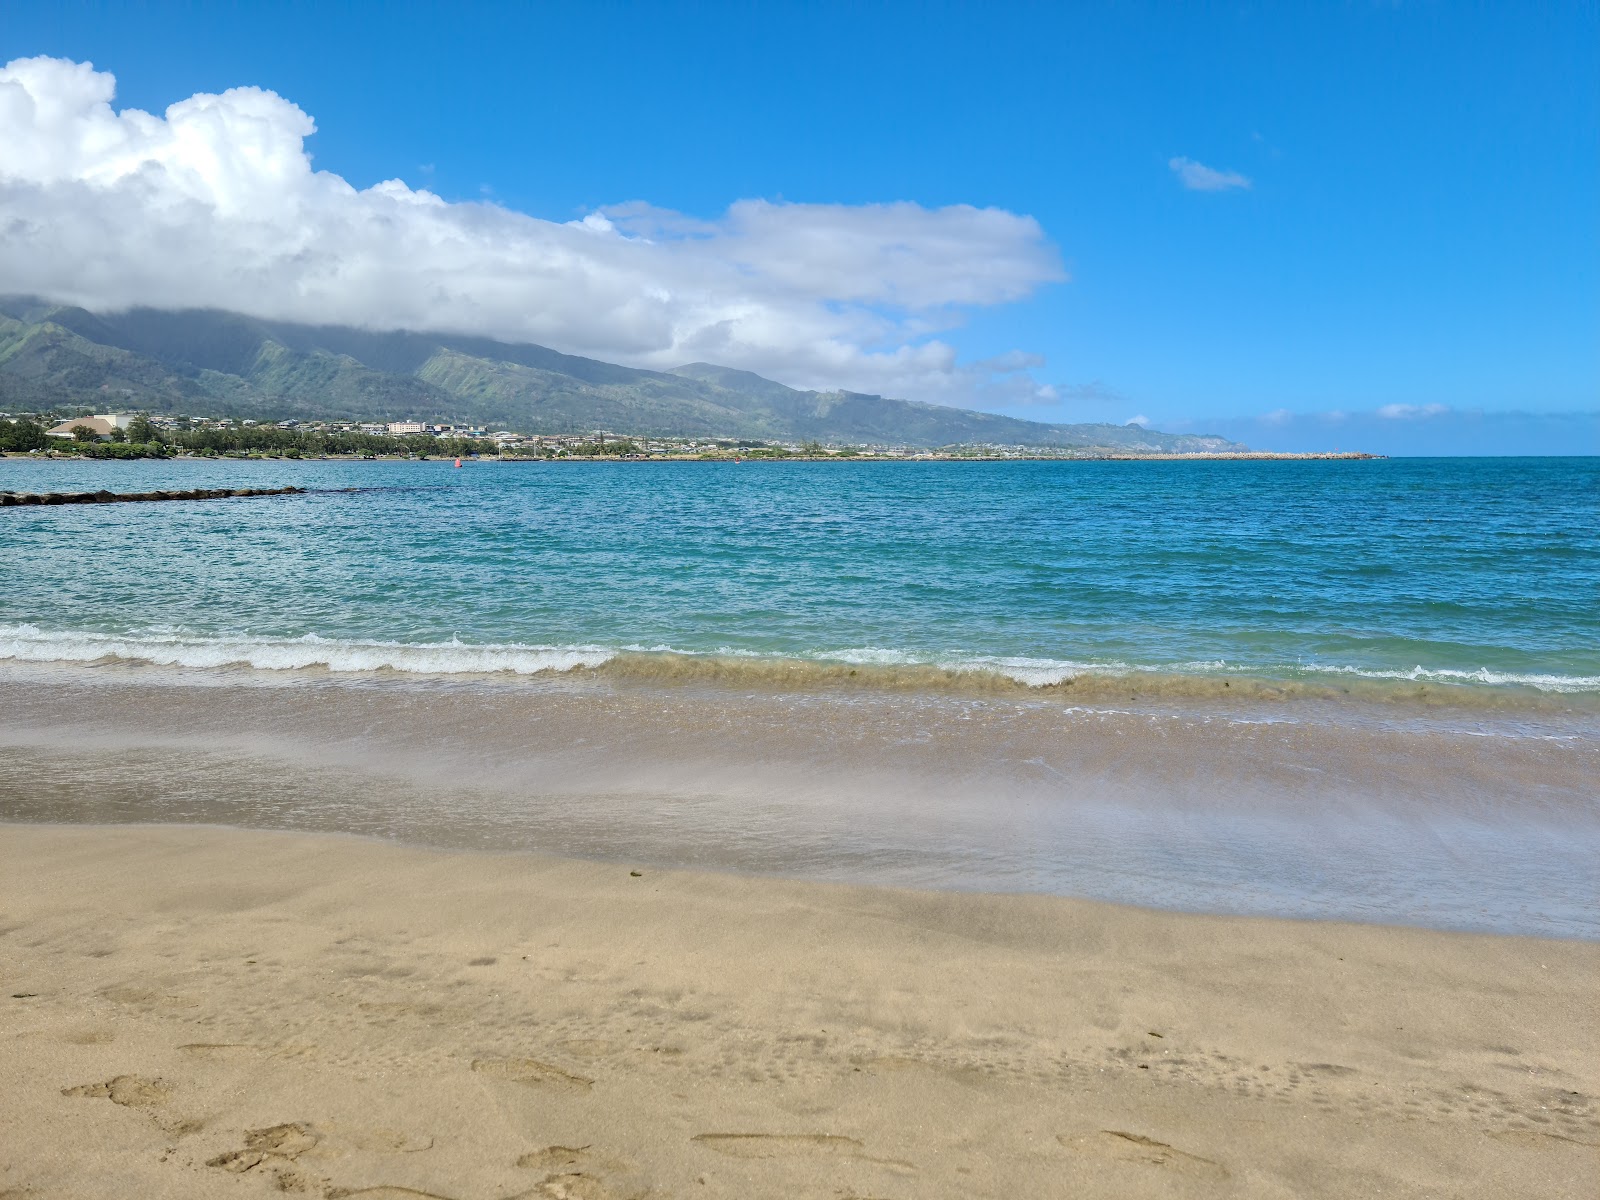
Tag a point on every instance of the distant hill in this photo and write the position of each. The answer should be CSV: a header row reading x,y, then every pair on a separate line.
x,y
210,363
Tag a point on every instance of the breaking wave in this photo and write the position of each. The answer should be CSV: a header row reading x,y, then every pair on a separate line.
x,y
28,644
861,667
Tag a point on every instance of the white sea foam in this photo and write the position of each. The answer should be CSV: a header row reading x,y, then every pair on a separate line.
x,y
27,643
1032,672
1566,684
161,647
1048,672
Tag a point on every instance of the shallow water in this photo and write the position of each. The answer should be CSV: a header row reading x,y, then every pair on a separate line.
x,y
1427,817
1376,578
1366,690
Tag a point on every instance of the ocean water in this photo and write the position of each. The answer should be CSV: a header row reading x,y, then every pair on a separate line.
x,y
1473,575
1355,690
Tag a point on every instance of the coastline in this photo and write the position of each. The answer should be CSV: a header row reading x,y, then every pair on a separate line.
x,y
1435,817
911,456
413,841
207,1012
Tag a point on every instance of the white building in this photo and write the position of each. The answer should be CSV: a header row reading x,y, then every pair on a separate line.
x,y
101,423
101,426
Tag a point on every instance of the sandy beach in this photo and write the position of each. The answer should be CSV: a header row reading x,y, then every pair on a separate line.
x,y
697,601
208,1012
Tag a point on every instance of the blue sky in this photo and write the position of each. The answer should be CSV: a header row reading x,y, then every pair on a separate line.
x,y
1396,224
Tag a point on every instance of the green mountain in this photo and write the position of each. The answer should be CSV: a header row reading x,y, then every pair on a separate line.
x,y
209,363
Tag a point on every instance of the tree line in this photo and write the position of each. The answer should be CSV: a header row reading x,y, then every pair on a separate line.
x,y
142,439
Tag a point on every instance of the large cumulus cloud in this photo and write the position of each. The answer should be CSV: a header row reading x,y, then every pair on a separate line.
x,y
215,203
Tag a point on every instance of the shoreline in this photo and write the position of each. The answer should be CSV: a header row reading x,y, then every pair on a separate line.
x,y
1429,820
1438,690
912,456
214,1012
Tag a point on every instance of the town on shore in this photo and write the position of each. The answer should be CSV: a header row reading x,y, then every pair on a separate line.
x,y
148,435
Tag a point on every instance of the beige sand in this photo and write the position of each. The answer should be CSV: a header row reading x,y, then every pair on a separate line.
x,y
211,1013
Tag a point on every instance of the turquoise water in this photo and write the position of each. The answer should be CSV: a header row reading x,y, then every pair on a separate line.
x,y
1357,690
1474,575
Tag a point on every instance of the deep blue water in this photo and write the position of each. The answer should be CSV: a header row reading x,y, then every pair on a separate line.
x,y
1472,572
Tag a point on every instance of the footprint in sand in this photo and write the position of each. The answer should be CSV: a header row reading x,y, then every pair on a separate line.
x,y
272,1152
130,1091
531,1072
146,1000
270,1147
230,1052
89,1037
1121,1146
148,1096
576,1185
578,1173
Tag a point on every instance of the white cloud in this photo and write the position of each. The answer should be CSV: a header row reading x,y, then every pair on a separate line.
x,y
1198,177
1410,412
215,203
1141,420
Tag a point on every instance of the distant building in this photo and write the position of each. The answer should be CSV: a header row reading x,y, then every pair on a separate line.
x,y
398,427
102,426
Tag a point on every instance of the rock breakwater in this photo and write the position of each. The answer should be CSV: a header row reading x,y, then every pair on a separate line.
x,y
10,499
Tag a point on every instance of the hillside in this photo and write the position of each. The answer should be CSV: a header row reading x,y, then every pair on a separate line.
x,y
225,364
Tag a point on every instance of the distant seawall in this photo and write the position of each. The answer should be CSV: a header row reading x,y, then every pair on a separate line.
x,y
9,499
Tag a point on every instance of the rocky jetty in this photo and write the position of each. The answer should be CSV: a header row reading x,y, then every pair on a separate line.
x,y
7,499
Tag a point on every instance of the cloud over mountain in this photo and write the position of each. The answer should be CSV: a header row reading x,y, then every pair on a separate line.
x,y
215,203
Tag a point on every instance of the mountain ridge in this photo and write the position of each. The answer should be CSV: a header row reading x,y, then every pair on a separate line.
x,y
213,362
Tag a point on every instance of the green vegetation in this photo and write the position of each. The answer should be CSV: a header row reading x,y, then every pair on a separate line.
x,y
296,443
123,449
144,440
55,358
18,437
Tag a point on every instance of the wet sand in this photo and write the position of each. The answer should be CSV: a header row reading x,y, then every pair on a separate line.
x,y
1458,820
208,1012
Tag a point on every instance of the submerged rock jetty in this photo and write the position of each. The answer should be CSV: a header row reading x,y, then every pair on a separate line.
x,y
7,499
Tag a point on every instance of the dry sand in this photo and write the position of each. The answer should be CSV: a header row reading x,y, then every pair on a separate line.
x,y
211,1013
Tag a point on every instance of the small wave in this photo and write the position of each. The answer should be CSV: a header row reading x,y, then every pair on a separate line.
x,y
1096,683
1030,672
28,644
1566,684
1045,673
857,667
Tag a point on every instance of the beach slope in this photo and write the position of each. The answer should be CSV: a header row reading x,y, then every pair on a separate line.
x,y
209,1013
